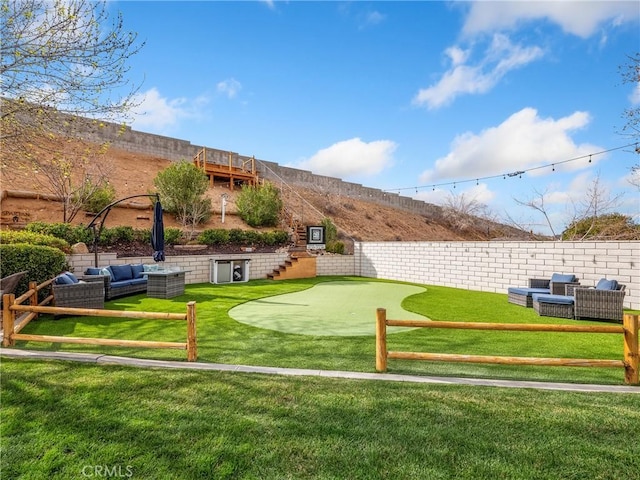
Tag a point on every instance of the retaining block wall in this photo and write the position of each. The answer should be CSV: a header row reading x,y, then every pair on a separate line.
x,y
495,266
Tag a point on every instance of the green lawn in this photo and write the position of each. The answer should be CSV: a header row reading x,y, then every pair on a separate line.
x,y
224,340
62,420
67,420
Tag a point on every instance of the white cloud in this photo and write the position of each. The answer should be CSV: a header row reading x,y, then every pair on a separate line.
x,y
351,157
370,19
582,19
634,98
158,113
500,58
522,141
229,87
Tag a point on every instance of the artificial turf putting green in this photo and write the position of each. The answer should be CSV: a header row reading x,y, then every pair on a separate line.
x,y
330,308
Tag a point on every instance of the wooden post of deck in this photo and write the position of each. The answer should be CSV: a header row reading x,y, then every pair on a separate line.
x,y
192,349
631,346
8,319
381,340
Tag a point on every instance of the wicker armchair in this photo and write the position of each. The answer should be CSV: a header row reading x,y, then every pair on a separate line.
x,y
9,283
87,294
555,288
603,304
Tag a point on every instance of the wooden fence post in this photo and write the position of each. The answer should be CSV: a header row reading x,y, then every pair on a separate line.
x,y
381,340
192,349
8,320
631,353
33,300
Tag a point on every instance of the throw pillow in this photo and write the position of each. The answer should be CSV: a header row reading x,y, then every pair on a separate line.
x,y
121,272
73,278
63,279
563,278
107,271
137,270
93,271
604,284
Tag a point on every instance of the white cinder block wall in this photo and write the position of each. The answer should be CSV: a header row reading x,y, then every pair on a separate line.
x,y
495,266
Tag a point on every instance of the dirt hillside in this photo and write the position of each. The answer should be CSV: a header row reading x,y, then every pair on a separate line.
x,y
133,174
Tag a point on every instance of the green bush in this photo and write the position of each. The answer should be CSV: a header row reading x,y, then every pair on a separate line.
x,y
236,236
172,236
251,237
214,236
335,247
259,206
41,262
32,238
70,233
113,235
100,197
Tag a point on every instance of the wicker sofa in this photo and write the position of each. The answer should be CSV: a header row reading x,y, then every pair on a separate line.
x,y
555,285
120,280
604,301
69,291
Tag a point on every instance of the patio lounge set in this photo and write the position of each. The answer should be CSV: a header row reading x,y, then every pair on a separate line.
x,y
563,296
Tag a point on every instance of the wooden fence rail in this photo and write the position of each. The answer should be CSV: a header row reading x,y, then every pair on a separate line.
x,y
629,329
11,306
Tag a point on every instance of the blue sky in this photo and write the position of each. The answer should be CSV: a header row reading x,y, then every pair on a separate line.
x,y
403,96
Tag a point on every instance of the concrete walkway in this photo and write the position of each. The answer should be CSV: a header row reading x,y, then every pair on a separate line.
x,y
219,367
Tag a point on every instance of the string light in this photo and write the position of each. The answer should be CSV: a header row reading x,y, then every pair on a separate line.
x,y
518,173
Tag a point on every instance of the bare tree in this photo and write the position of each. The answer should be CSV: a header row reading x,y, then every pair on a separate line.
x,y
630,73
464,212
63,68
537,203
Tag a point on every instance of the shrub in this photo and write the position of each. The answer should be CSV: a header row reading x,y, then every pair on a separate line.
x,y
41,262
172,235
32,238
251,237
181,187
70,233
217,236
99,198
335,247
260,206
110,236
236,236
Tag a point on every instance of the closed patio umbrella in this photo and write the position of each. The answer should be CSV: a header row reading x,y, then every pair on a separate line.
x,y
157,233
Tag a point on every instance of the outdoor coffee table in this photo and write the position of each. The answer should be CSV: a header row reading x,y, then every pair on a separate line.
x,y
165,283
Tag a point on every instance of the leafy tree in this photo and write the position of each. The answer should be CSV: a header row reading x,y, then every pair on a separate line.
x,y
260,206
181,187
63,67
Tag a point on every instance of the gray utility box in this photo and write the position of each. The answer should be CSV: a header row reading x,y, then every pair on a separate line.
x,y
229,271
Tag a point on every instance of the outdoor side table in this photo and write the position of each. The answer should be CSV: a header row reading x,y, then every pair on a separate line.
x,y
165,283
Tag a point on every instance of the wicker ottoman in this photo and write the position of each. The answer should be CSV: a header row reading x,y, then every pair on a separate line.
x,y
523,296
553,306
